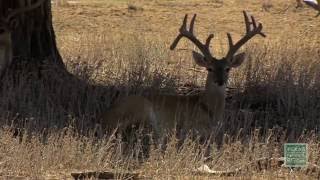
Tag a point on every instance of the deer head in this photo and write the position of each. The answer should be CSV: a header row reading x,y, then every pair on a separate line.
x,y
218,69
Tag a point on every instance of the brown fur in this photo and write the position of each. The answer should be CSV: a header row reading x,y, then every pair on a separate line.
x,y
199,113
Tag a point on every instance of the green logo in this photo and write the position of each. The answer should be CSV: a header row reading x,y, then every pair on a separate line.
x,y
295,154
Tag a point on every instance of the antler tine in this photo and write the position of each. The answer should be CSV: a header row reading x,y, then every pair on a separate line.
x,y
230,41
23,9
210,37
252,29
254,24
184,32
184,23
192,23
182,28
246,21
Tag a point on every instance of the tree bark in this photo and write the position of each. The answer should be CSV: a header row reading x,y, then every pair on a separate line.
x,y
36,77
36,74
34,38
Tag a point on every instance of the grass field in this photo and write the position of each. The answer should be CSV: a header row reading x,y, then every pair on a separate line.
x,y
275,96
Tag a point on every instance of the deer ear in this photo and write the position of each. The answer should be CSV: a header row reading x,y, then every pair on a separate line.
x,y
199,59
238,59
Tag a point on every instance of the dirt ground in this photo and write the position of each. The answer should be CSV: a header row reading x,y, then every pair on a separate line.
x,y
162,18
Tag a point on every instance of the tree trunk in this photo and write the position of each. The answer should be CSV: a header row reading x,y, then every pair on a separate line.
x,y
33,38
35,82
31,68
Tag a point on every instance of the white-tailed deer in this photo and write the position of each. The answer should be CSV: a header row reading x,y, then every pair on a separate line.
x,y
199,113
7,24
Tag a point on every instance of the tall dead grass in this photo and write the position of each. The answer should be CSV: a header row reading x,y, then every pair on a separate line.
x,y
276,100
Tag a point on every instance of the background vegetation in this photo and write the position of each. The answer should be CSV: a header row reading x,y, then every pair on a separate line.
x,y
122,46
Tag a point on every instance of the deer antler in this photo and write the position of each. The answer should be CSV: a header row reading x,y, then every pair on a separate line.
x,y
250,32
184,32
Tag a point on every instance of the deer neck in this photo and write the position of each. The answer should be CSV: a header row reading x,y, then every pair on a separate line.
x,y
214,98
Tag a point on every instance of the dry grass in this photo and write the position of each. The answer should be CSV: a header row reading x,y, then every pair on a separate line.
x,y
277,99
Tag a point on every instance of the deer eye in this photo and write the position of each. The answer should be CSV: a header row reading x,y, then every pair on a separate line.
x,y
209,69
227,69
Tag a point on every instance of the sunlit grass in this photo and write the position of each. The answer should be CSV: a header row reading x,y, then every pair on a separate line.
x,y
48,123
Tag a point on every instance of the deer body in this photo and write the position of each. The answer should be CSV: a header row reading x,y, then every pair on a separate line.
x,y
200,113
166,112
196,112
128,111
